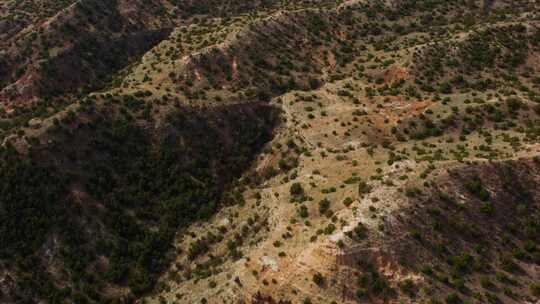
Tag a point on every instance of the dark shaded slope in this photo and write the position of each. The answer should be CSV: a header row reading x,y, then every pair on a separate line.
x,y
473,234
99,210
82,46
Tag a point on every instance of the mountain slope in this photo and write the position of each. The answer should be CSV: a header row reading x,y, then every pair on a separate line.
x,y
270,151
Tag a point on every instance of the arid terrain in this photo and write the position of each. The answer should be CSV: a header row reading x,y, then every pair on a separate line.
x,y
270,152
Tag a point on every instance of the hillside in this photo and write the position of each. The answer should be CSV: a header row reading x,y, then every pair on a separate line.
x,y
314,151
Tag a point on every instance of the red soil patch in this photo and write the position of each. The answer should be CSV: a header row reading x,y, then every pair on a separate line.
x,y
395,74
395,109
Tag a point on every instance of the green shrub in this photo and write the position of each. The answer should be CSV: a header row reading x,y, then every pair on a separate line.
x,y
477,189
296,189
318,279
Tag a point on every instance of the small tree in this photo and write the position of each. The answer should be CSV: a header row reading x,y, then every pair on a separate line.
x,y
296,189
318,279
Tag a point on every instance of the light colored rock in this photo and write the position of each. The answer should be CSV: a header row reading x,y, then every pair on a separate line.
x,y
35,123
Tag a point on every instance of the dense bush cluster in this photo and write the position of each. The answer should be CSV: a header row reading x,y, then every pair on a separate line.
x,y
30,206
142,189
